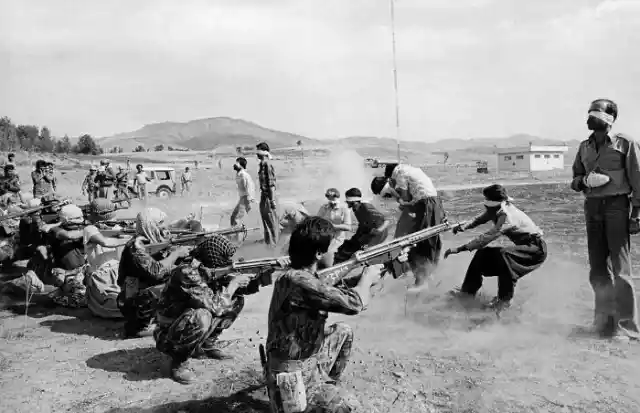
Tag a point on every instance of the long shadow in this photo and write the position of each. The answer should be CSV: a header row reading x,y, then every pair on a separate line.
x,y
83,322
240,402
87,325
40,306
137,364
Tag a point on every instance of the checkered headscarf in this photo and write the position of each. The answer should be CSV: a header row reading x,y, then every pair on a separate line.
x,y
215,252
102,209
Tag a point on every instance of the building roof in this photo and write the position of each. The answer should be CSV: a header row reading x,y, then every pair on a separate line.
x,y
533,149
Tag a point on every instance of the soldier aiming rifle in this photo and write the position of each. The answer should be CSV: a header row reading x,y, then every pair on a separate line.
x,y
202,298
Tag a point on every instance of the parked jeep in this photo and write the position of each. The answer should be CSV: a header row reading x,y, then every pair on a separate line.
x,y
162,181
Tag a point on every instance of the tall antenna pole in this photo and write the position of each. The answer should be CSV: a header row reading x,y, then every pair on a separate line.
x,y
395,74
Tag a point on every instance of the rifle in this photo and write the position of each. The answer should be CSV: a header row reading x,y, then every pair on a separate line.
x,y
33,210
110,232
384,253
196,238
123,222
263,269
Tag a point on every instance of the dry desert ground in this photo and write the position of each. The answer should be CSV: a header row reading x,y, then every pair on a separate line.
x,y
412,354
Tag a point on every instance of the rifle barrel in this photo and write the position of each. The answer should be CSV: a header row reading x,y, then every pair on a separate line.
x,y
256,263
383,251
26,211
194,236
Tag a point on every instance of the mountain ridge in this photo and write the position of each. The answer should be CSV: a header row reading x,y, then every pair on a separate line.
x,y
216,132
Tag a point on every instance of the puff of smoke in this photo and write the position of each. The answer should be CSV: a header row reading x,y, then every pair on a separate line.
x,y
346,170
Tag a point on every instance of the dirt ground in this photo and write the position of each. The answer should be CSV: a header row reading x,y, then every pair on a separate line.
x,y
411,354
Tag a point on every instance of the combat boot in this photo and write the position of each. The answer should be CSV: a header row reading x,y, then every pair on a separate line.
x,y
181,373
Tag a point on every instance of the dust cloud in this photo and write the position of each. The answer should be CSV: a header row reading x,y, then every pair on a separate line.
x,y
341,169
346,170
545,313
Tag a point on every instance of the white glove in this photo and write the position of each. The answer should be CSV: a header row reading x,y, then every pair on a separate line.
x,y
595,180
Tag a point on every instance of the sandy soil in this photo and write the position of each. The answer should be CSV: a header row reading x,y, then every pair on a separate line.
x,y
412,354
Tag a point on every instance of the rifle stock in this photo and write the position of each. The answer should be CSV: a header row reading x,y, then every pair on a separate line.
x,y
384,253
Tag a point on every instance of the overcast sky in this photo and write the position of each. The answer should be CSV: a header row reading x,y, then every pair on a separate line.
x,y
321,68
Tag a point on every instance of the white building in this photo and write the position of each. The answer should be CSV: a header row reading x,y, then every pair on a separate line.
x,y
531,158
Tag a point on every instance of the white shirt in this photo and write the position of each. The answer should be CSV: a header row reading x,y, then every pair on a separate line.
x,y
414,180
246,187
97,255
338,215
141,178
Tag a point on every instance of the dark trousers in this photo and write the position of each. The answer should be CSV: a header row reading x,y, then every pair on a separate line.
x,y
270,221
608,242
425,256
509,264
103,192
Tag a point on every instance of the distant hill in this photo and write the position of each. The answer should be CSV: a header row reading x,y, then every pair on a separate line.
x,y
375,146
224,132
203,134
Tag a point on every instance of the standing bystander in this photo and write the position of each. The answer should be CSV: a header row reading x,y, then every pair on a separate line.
x,y
89,185
140,182
607,171
246,191
186,179
267,179
42,181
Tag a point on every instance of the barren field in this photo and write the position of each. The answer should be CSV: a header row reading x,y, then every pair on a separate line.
x,y
411,354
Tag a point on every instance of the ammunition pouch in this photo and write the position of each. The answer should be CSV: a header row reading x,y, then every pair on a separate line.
x,y
286,386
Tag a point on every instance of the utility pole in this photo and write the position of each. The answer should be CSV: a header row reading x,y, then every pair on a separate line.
x,y
395,74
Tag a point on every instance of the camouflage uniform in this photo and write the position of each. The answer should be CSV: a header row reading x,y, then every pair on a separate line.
x,y
141,278
105,180
89,186
299,339
191,315
9,196
194,309
122,185
65,268
43,183
9,188
8,249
